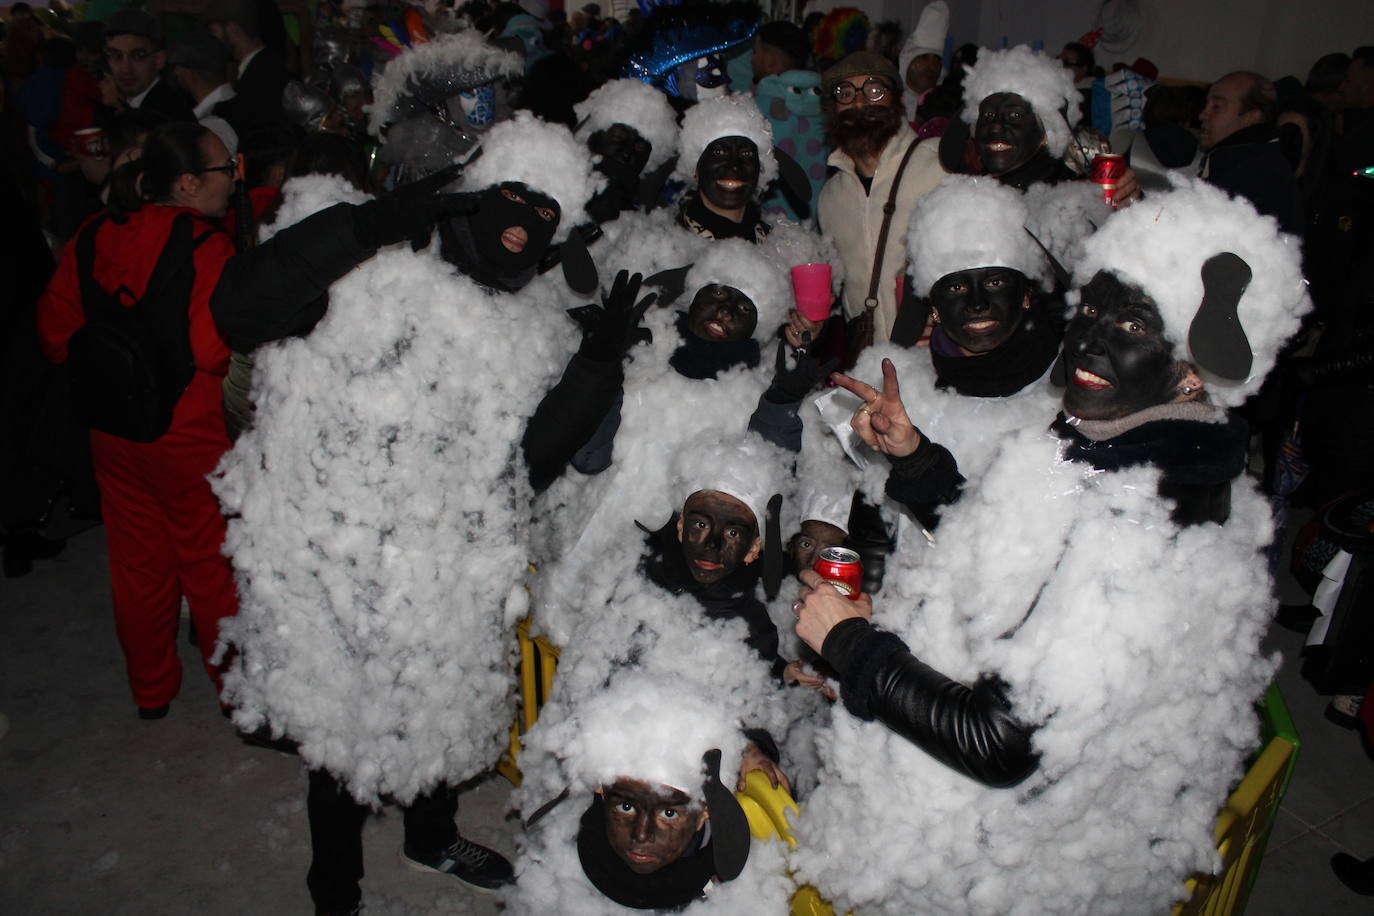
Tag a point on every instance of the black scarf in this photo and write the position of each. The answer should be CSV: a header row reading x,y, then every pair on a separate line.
x,y
1041,168
694,215
698,359
1025,357
671,887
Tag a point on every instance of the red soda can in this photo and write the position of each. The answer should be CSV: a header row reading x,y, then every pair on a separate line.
x,y
1106,170
840,567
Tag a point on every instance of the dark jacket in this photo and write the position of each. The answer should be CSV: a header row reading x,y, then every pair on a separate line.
x,y
1250,164
169,101
261,85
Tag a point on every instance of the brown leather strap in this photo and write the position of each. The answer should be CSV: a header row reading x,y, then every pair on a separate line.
x,y
871,302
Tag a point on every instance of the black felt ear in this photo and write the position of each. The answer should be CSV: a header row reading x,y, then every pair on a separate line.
x,y
793,176
670,284
1216,339
729,826
913,314
579,270
771,571
952,144
651,184
1059,372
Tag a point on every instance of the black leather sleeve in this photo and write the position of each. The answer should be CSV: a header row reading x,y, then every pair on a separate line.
x,y
971,729
925,481
278,289
569,415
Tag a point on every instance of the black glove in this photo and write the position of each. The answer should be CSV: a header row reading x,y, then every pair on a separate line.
x,y
609,330
791,385
410,212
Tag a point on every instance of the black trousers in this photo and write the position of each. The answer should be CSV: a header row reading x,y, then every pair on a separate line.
x,y
336,837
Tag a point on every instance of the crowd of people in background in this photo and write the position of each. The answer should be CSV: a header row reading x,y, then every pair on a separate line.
x,y
243,181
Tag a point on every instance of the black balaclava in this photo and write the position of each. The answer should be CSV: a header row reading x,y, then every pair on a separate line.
x,y
622,154
1115,354
733,160
474,243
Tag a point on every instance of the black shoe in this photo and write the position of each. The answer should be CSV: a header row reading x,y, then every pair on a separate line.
x,y
1343,719
155,712
1297,617
262,737
1354,874
24,546
483,868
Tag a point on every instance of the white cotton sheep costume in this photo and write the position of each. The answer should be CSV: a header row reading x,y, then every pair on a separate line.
x,y
966,223
544,156
737,263
726,116
1160,245
636,104
465,53
745,467
1042,81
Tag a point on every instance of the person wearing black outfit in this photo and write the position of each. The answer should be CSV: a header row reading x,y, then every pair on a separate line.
x,y
1243,155
261,74
135,52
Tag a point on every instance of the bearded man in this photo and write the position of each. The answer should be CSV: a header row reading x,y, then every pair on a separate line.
x,y
877,158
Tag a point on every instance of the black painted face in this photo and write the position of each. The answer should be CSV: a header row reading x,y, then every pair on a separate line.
x,y
649,826
1115,353
728,172
720,313
813,537
718,535
513,226
980,309
1007,133
623,144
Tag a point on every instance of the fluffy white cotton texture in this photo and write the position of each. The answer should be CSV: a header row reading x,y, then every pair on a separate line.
x,y
636,104
544,156
380,513
1038,79
464,51
967,223
725,116
584,519
737,263
1160,245
1132,642
744,466
791,244
1063,216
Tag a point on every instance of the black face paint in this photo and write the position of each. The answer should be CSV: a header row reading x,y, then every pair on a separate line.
x,y
1115,353
513,226
721,313
728,172
813,537
649,826
1007,133
718,532
979,309
622,144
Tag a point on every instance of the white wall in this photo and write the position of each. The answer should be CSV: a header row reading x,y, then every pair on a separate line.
x,y
1187,39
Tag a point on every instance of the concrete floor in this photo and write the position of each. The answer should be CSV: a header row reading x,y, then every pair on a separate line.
x,y
102,812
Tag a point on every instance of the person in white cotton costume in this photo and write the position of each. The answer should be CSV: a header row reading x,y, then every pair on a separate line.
x,y
1063,685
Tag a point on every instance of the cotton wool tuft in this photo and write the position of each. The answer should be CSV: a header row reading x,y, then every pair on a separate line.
x,y
635,104
724,116
1040,80
737,263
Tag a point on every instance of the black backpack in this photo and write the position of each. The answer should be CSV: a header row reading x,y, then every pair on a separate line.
x,y
129,364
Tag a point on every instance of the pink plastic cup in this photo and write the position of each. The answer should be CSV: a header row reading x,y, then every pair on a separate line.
x,y
811,290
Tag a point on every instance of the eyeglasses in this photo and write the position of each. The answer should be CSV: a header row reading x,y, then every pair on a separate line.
x,y
137,55
873,89
231,168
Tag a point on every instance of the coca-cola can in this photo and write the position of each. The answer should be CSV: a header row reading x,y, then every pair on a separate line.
x,y
1106,170
840,567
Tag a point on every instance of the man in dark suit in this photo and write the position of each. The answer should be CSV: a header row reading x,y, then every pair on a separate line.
x,y
261,74
134,50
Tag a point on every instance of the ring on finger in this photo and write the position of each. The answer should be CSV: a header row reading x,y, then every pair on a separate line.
x,y
796,608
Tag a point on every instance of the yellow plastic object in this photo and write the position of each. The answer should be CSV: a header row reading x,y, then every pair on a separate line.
x,y
538,662
767,807
807,901
1244,823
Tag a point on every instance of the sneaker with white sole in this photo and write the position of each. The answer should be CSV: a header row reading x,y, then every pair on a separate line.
x,y
483,868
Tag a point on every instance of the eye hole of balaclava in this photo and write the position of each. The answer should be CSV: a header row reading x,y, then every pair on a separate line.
x,y
728,172
513,226
1008,132
980,309
1117,358
722,313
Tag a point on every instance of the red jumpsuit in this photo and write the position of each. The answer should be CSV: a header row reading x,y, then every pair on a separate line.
x,y
163,525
